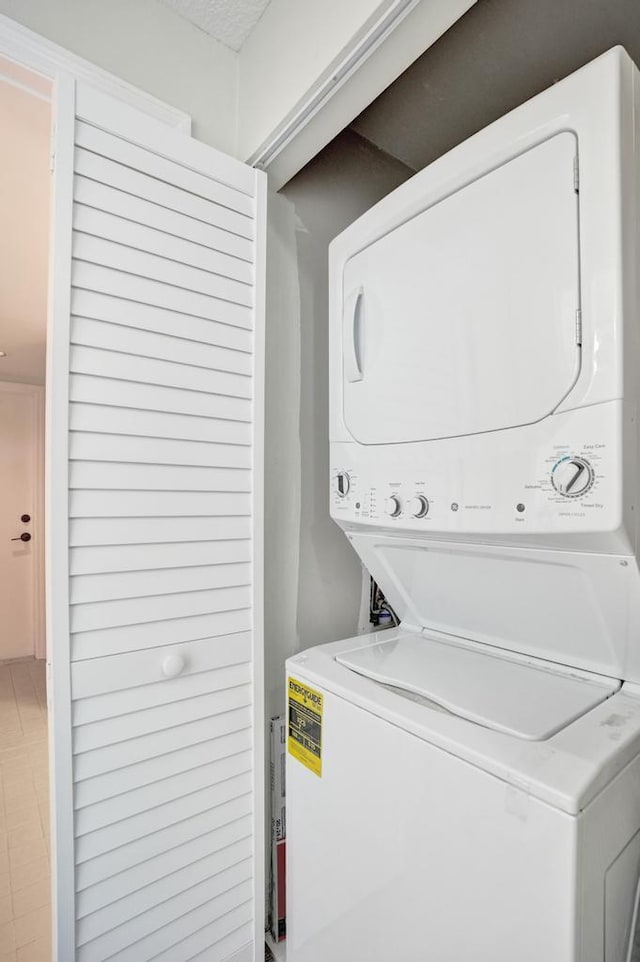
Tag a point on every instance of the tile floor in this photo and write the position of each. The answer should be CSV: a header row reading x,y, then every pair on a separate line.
x,y
24,814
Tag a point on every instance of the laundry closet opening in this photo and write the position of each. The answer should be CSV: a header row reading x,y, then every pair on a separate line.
x,y
25,183
496,57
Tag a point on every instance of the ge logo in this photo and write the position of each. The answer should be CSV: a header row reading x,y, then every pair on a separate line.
x,y
454,505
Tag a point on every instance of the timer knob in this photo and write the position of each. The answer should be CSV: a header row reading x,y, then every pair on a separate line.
x,y
572,477
418,507
343,483
392,506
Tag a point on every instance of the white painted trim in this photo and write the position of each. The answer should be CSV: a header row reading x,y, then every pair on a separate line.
x,y
337,74
57,527
373,60
36,393
23,46
259,721
12,82
39,527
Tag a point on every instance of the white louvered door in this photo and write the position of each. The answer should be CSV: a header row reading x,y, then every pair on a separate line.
x,y
154,541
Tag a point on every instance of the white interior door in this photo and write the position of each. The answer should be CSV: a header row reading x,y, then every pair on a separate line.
x,y
20,462
154,548
463,319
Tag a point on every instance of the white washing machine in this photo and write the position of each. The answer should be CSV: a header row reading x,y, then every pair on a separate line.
x,y
466,787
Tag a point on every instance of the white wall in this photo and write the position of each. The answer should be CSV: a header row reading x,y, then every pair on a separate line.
x,y
313,576
25,180
237,101
495,58
150,46
282,447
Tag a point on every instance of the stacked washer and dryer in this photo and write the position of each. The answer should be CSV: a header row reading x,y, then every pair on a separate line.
x,y
475,794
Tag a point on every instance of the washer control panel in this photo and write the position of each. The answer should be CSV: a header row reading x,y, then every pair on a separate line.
x,y
560,487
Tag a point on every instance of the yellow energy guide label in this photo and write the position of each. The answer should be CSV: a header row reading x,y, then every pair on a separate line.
x,y
305,725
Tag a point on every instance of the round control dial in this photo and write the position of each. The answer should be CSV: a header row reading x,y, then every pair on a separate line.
x,y
343,483
392,506
572,477
418,507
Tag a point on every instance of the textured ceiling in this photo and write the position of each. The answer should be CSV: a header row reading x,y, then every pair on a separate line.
x,y
229,21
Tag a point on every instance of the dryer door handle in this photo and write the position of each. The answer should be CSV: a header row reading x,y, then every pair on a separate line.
x,y
353,318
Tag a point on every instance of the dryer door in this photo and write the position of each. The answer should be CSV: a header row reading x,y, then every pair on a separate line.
x,y
463,319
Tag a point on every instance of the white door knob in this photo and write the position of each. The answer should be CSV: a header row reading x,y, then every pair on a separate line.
x,y
172,666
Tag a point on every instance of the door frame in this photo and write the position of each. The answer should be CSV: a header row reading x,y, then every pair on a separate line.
x,y
36,393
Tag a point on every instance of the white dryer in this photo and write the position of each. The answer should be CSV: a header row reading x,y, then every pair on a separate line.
x,y
467,786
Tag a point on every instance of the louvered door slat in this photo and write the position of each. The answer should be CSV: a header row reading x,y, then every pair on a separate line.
x,y
115,364
157,347
162,891
130,556
108,419
159,320
137,669
139,184
102,894
93,615
161,168
131,260
140,584
99,196
155,477
155,504
99,389
122,230
154,531
180,925
222,803
217,941
158,634
104,279
194,681
139,449
126,340
102,788
91,818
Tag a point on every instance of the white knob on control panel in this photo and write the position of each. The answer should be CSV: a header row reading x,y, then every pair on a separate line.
x,y
392,506
572,477
418,507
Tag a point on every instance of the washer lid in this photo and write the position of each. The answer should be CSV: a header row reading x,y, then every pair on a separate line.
x,y
526,698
